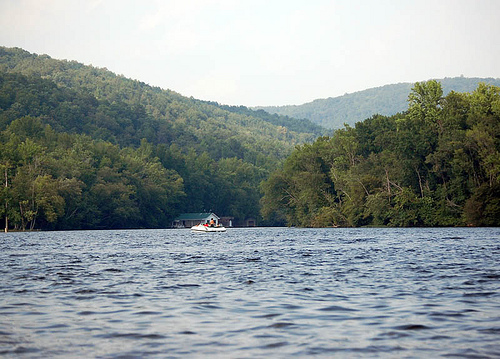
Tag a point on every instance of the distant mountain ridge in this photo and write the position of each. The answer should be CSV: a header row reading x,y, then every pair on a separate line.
x,y
386,100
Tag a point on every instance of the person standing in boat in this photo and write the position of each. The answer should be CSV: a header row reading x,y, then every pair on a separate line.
x,y
212,223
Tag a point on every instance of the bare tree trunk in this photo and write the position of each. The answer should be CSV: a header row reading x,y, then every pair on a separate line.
x,y
388,184
420,182
23,224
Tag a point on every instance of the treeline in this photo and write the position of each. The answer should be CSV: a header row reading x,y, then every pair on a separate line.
x,y
82,148
70,181
437,164
62,181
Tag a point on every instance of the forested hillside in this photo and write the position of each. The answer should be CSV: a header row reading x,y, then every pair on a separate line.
x,y
81,147
386,100
437,164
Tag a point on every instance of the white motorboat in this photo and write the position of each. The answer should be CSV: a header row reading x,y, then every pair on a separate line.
x,y
208,228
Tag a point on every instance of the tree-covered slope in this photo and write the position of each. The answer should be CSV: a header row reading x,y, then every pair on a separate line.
x,y
386,100
81,147
436,164
164,110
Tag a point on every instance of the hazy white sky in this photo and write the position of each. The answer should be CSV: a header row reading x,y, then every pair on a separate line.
x,y
263,52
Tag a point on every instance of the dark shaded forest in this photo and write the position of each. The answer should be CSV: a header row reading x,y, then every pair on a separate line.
x,y
436,164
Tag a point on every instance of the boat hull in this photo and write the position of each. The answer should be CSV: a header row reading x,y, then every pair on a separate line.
x,y
206,229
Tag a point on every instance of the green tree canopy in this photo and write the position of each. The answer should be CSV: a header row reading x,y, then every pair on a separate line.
x,y
437,164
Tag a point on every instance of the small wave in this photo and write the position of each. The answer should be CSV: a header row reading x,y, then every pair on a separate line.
x,y
22,304
274,345
479,294
492,276
124,296
207,305
146,312
337,308
272,315
280,325
446,314
179,286
439,337
86,312
55,326
391,335
412,327
187,332
495,330
86,291
22,350
130,336
348,352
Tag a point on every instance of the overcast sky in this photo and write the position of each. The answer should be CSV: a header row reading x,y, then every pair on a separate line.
x,y
263,52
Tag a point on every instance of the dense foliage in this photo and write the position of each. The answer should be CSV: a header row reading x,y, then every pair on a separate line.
x,y
437,164
385,100
81,147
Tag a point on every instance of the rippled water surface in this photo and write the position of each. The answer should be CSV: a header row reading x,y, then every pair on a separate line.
x,y
251,293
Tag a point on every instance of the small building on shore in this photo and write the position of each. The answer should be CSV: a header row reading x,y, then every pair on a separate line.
x,y
227,221
250,222
187,220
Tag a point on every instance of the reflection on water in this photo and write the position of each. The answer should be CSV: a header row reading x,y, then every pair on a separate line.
x,y
249,293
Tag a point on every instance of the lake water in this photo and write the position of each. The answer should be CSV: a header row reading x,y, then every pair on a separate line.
x,y
251,293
